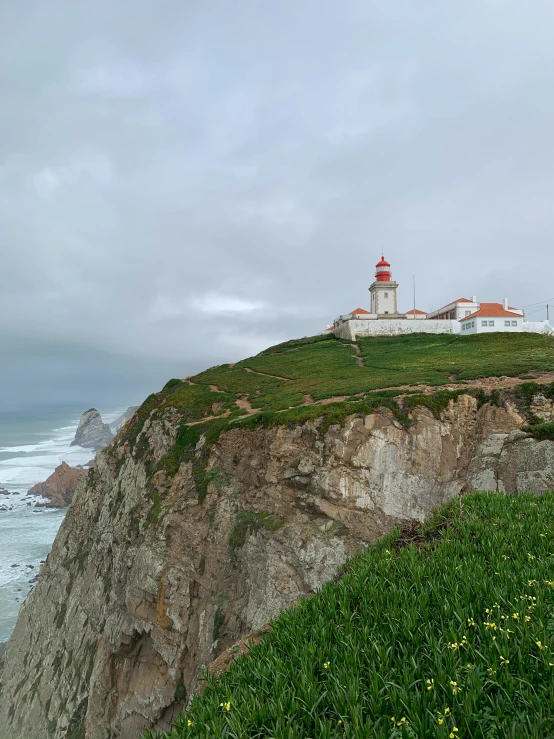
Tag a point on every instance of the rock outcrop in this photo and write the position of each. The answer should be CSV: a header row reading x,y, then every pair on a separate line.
x,y
152,576
118,423
60,486
91,432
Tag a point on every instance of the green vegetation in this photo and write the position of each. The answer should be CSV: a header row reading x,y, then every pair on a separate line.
x,y
249,523
219,620
541,431
325,379
446,630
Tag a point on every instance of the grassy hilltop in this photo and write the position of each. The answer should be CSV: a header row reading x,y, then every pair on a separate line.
x,y
445,630
324,376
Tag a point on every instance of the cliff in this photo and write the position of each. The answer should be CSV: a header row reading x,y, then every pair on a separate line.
x,y
205,518
146,583
92,433
60,486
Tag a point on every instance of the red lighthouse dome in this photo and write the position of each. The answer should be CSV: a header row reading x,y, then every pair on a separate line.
x,y
383,273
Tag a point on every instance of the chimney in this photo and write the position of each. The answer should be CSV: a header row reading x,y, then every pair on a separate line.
x,y
474,298
505,303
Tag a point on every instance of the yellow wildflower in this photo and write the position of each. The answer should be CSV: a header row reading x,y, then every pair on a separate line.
x,y
430,684
326,665
515,616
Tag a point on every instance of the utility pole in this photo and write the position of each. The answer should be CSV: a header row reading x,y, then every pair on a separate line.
x,y
547,318
414,298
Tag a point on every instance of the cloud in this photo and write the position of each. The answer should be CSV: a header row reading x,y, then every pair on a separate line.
x,y
215,303
182,184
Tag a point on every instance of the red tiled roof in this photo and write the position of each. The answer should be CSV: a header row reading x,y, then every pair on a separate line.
x,y
492,310
420,312
359,310
460,300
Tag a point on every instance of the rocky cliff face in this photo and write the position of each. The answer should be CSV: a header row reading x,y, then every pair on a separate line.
x,y
60,486
91,432
151,577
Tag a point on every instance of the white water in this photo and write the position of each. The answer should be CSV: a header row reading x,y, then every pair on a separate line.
x,y
27,532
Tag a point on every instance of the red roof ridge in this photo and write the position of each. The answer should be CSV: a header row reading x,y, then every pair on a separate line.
x,y
492,310
424,313
359,310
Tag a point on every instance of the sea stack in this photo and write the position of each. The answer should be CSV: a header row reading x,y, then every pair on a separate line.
x,y
60,486
91,432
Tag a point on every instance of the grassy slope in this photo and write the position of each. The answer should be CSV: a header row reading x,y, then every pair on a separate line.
x,y
325,367
452,637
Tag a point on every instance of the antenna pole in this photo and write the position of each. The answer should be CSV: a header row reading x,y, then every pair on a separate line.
x,y
414,298
547,318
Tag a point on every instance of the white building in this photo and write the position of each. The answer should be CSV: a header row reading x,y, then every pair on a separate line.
x,y
493,317
462,316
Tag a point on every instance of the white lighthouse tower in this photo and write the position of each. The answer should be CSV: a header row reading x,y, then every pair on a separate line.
x,y
382,292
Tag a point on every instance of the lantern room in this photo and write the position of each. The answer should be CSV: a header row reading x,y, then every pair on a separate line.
x,y
383,272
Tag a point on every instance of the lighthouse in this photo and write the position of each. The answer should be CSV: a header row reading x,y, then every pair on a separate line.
x,y
383,292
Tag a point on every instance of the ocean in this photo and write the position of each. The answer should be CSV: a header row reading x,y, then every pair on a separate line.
x,y
32,445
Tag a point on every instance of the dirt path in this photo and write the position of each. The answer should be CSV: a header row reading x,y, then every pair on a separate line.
x,y
246,405
359,359
215,389
483,383
265,374
208,418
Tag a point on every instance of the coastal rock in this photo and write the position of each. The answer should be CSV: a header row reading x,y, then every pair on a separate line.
x,y
91,432
116,425
60,486
149,581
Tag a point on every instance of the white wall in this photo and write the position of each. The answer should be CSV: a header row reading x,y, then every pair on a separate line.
x,y
394,327
499,325
537,327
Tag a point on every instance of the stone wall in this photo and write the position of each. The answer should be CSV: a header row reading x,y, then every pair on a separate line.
x,y
393,327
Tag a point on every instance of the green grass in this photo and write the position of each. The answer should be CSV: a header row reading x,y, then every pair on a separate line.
x,y
326,368
446,633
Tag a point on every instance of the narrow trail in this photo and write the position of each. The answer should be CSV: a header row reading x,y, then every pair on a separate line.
x,y
483,383
215,389
208,418
265,374
359,359
487,384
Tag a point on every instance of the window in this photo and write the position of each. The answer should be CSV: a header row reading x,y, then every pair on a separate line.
x,y
473,324
386,312
514,323
467,313
491,323
506,323
386,295
484,323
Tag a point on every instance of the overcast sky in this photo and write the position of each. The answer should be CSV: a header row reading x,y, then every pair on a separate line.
x,y
183,183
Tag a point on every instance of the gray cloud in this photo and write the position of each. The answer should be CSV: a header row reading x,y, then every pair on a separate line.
x,y
184,183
